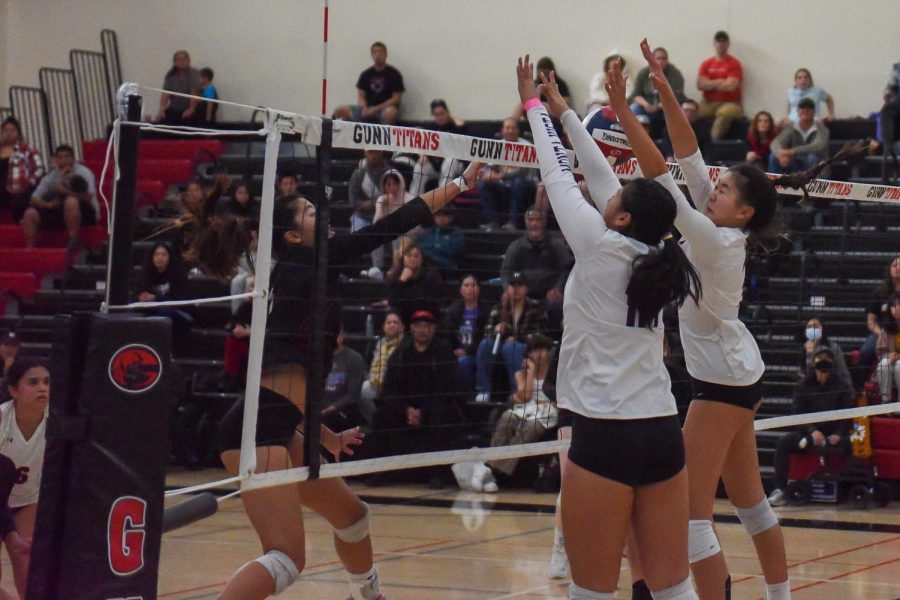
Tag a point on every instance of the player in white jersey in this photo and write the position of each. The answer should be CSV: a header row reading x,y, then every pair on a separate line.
x,y
626,458
23,422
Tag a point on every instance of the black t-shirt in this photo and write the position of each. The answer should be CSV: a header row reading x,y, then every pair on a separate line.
x,y
379,86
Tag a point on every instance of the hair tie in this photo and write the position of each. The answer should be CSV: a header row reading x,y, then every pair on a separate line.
x,y
668,236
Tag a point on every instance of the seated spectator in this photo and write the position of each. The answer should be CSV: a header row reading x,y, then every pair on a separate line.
x,y
802,145
720,78
341,400
237,343
419,408
510,323
393,196
9,351
545,66
163,278
21,168
760,137
597,96
464,323
365,188
65,198
645,100
877,306
379,90
392,335
444,242
287,186
820,390
532,414
23,426
182,79
509,187
888,370
889,117
198,204
432,171
540,257
208,90
410,281
803,88
240,204
815,338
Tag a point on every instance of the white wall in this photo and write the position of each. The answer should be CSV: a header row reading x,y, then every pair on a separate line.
x,y
270,51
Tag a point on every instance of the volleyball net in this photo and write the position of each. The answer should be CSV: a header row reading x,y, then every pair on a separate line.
x,y
463,389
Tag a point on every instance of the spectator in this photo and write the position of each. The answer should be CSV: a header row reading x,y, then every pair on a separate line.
x,y
379,90
198,204
21,167
760,137
464,323
544,67
208,90
341,400
393,194
9,350
419,410
240,204
237,343
803,88
65,198
444,242
541,258
429,171
182,79
889,350
889,118
512,187
645,100
510,323
163,278
820,390
815,338
597,96
392,335
410,281
287,186
23,424
802,145
720,78
878,305
532,414
365,188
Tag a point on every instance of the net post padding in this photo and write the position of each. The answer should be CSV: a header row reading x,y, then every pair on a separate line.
x,y
263,268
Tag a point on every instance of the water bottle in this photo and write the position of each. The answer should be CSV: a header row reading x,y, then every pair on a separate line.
x,y
370,326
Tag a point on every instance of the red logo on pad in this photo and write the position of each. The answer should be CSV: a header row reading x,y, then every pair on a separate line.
x,y
135,368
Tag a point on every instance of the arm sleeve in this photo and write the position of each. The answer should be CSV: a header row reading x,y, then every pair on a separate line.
x,y
780,139
602,182
43,188
582,225
363,241
702,233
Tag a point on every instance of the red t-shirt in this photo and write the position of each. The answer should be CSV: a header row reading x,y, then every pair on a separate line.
x,y
716,68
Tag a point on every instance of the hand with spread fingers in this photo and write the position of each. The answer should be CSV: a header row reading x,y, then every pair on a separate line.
x,y
556,105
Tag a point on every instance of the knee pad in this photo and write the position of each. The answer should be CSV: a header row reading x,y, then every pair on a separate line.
x,y
356,532
679,591
281,567
576,592
757,519
702,540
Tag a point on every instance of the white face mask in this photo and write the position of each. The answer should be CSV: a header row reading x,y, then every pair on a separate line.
x,y
814,334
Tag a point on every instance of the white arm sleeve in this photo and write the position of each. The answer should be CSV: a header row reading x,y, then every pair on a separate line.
x,y
702,233
602,182
580,223
697,177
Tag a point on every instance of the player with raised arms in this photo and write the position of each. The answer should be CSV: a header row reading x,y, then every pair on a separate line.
x,y
626,457
276,512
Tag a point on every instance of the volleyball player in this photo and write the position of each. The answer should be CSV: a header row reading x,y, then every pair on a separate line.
x,y
23,423
626,460
276,512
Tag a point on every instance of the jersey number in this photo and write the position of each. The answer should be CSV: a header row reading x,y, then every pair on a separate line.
x,y
22,475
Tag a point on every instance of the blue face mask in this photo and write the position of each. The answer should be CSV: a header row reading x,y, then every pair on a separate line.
x,y
813,334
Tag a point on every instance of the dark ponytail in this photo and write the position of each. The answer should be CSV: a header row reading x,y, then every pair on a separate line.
x,y
662,275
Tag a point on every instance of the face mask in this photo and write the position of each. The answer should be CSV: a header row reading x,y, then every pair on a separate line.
x,y
813,334
823,366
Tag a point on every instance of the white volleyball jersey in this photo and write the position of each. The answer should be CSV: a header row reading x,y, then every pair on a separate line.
x,y
27,455
610,366
718,347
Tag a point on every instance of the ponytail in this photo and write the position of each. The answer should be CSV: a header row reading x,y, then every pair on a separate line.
x,y
660,277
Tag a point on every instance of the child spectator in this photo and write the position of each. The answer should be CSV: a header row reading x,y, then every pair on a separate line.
x,y
760,137
208,90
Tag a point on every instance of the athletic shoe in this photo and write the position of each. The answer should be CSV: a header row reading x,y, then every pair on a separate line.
x,y
559,562
483,397
483,479
510,226
777,497
462,471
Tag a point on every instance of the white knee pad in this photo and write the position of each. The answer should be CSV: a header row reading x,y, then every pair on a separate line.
x,y
281,567
757,519
356,532
576,592
702,540
679,591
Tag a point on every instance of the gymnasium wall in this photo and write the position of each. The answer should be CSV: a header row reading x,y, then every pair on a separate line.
x,y
270,51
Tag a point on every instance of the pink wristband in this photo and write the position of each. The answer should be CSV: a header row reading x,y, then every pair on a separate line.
x,y
529,104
